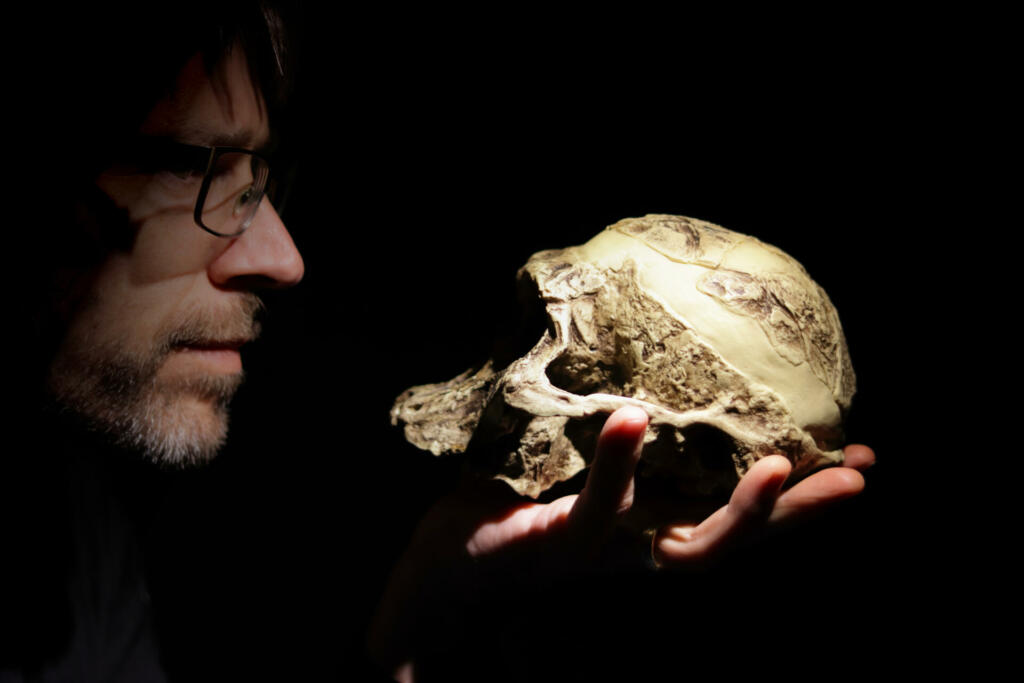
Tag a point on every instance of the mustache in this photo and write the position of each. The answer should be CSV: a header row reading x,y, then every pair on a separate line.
x,y
238,323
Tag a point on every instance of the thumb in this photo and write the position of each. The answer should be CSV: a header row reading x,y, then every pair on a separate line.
x,y
608,493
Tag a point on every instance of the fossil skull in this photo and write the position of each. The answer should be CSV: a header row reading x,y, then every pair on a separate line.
x,y
726,343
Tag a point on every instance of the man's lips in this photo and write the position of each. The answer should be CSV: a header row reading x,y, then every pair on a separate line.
x,y
219,356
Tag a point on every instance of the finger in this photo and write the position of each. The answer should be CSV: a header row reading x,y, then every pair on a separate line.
x,y
609,489
858,456
517,524
816,493
754,497
749,509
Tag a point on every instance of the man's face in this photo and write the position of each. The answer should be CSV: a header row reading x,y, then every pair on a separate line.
x,y
151,352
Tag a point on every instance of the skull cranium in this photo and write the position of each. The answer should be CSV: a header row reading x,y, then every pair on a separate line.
x,y
726,343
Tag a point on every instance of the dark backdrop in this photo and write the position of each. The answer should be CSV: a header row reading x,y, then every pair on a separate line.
x,y
435,160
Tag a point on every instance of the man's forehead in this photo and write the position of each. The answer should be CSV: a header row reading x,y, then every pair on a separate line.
x,y
222,108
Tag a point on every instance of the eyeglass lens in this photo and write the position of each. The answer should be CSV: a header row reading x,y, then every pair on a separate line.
x,y
236,184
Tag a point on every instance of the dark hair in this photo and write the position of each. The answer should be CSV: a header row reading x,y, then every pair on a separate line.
x,y
116,67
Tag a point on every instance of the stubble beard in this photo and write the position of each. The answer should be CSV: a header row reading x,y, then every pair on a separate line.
x,y
175,422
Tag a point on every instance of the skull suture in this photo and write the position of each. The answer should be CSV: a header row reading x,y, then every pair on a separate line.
x,y
726,343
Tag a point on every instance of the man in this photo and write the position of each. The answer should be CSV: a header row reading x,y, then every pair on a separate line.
x,y
177,235
163,233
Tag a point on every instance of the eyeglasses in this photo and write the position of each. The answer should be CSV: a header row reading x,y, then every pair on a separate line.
x,y
233,186
229,182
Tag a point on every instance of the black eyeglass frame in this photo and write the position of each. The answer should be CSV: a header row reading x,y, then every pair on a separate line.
x,y
151,154
204,189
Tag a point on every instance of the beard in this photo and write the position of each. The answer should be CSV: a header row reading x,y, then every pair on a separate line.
x,y
174,422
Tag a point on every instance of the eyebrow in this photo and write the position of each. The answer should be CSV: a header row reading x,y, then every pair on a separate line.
x,y
244,138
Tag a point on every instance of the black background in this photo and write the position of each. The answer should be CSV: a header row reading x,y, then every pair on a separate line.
x,y
438,151
436,157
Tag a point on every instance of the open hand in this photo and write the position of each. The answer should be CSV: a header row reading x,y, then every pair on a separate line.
x,y
491,524
757,503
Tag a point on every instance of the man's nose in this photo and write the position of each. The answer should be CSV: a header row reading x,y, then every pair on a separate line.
x,y
264,256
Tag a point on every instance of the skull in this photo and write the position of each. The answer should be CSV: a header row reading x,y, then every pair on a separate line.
x,y
725,341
